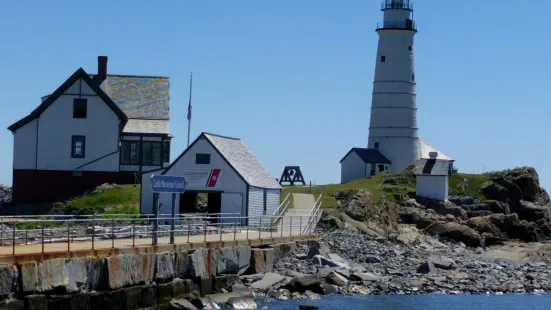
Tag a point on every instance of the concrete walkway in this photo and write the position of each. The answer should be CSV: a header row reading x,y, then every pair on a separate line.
x,y
298,216
6,251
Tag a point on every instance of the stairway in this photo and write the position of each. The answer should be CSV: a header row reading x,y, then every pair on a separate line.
x,y
298,215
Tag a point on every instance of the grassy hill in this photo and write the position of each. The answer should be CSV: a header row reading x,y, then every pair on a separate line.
x,y
384,186
119,199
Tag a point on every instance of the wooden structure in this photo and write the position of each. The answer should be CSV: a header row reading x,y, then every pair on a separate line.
x,y
291,175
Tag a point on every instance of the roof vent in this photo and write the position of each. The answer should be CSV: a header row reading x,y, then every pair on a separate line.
x,y
433,155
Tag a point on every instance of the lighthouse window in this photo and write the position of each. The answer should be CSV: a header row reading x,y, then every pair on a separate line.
x,y
413,77
410,48
376,145
383,58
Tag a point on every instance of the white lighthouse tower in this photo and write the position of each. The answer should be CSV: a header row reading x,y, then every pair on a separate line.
x,y
393,126
394,142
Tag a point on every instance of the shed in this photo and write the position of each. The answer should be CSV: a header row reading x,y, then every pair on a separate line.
x,y
361,163
223,168
432,178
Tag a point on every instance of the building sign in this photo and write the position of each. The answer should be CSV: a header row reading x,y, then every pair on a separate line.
x,y
168,184
199,178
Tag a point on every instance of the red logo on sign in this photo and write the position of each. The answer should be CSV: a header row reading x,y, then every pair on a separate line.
x,y
214,175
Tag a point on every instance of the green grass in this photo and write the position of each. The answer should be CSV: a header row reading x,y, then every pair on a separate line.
x,y
124,199
380,190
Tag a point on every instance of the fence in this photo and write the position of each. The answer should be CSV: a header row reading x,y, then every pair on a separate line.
x,y
43,234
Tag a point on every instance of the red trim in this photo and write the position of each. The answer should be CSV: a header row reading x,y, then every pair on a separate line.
x,y
214,176
34,186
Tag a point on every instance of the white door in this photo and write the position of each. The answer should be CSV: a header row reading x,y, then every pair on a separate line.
x,y
231,203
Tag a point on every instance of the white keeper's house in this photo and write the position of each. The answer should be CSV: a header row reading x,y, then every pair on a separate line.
x,y
93,129
222,167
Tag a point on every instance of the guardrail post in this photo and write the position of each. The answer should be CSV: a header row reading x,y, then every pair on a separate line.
x,y
300,228
93,231
13,238
42,238
68,235
133,232
234,228
113,233
281,219
154,236
26,231
205,228
173,224
291,226
188,229
260,229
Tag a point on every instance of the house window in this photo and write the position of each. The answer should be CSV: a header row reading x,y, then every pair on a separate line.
x,y
151,153
130,153
166,151
383,58
202,159
80,107
376,145
78,146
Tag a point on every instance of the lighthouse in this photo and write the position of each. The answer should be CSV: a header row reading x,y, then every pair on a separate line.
x,y
393,124
393,142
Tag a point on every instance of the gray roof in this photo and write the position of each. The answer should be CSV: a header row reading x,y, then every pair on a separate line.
x,y
432,167
145,126
426,149
243,161
142,97
369,156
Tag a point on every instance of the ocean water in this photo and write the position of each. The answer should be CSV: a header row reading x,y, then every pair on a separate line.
x,y
426,302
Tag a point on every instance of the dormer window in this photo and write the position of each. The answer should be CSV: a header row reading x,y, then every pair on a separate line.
x,y
80,108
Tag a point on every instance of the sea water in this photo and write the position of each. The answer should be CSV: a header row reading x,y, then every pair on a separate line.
x,y
425,302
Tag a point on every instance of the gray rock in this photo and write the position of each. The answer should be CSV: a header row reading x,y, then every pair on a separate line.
x,y
123,270
269,279
242,303
337,279
182,304
9,278
366,276
164,266
371,259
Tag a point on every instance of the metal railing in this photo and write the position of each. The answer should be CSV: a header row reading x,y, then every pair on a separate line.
x,y
397,4
399,25
278,213
43,234
314,216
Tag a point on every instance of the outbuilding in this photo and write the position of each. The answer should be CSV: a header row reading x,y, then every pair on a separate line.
x,y
361,163
432,178
223,169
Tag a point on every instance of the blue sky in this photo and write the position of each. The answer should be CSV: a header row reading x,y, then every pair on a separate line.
x,y
293,79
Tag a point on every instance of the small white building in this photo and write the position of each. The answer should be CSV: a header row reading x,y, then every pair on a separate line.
x,y
361,163
227,171
432,178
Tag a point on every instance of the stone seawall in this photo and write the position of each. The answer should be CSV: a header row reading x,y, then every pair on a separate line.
x,y
132,281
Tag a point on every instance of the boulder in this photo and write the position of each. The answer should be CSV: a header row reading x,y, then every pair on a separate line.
x,y
262,260
526,180
164,266
484,224
123,270
305,284
494,191
336,279
457,232
269,279
242,303
419,217
9,279
360,206
182,304
318,249
533,212
443,207
234,260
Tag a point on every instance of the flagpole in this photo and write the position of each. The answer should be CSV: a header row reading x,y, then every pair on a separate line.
x,y
189,108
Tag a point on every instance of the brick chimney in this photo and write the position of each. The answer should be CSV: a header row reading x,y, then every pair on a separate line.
x,y
102,67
